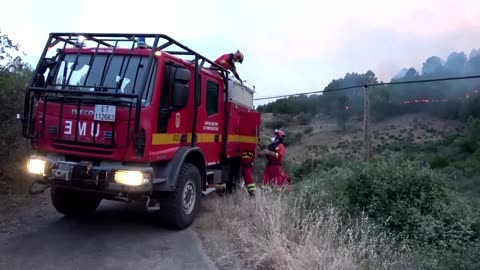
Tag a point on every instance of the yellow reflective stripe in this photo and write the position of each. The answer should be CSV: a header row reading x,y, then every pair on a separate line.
x,y
207,137
169,138
242,139
251,187
248,155
174,138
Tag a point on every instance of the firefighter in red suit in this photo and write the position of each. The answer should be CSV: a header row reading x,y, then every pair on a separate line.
x,y
274,174
247,170
228,60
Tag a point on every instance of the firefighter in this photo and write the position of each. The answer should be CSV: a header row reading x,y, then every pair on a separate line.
x,y
247,170
228,60
274,174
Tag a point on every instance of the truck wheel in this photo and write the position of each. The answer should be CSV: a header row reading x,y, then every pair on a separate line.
x,y
72,203
178,209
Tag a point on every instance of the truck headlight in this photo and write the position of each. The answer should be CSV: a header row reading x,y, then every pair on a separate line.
x,y
131,178
36,166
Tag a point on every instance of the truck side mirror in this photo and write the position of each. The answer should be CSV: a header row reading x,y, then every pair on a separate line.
x,y
180,95
40,80
181,88
182,75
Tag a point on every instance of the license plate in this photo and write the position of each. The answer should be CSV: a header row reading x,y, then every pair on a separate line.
x,y
105,113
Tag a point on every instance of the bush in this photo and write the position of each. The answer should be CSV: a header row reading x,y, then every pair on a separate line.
x,y
304,118
293,138
406,197
439,162
279,121
13,147
414,200
308,130
275,124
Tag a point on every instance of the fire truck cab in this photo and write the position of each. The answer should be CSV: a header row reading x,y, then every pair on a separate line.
x,y
135,117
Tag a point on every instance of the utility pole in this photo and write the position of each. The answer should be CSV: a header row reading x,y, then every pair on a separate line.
x,y
366,124
312,161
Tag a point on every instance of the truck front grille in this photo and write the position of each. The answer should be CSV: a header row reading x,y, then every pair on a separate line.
x,y
84,148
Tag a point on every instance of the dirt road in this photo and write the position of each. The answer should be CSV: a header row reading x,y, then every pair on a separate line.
x,y
120,236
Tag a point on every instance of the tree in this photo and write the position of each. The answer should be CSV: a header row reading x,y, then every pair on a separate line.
x,y
473,62
456,63
7,47
433,66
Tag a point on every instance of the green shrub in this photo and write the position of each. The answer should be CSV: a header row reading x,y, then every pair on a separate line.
x,y
412,199
293,138
308,130
476,155
439,161
276,124
408,198
279,121
304,118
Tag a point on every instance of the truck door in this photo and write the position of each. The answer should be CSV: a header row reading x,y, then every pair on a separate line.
x,y
173,123
210,122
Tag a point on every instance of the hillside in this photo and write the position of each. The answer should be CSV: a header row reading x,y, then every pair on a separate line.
x,y
322,136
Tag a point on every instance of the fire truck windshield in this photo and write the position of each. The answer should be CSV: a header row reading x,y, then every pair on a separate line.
x,y
92,73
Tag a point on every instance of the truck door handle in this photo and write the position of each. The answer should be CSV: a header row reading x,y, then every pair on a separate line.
x,y
217,138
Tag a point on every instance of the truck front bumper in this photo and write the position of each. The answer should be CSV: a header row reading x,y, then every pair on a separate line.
x,y
112,178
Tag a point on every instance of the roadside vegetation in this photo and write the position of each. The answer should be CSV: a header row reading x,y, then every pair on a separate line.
x,y
415,205
14,75
395,212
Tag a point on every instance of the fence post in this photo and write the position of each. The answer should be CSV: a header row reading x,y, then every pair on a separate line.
x,y
366,124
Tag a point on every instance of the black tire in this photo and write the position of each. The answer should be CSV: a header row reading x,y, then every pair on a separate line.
x,y
176,209
72,203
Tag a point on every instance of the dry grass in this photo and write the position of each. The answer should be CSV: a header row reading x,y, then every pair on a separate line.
x,y
272,231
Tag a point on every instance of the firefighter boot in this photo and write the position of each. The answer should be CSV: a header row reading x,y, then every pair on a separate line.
x,y
251,189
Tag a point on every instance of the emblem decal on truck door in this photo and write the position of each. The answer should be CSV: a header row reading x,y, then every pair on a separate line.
x,y
177,120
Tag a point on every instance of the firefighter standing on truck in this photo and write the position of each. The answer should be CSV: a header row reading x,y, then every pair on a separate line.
x,y
228,60
274,174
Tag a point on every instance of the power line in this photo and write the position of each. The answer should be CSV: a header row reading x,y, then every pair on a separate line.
x,y
373,84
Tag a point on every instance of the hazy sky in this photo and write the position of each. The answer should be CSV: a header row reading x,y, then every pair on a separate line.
x,y
289,46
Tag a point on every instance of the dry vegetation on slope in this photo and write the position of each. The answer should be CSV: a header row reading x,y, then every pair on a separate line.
x,y
322,136
272,231
403,197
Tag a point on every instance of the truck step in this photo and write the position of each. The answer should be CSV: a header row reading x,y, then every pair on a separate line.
x,y
214,176
152,205
208,191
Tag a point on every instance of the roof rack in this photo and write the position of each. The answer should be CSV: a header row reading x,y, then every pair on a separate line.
x,y
105,39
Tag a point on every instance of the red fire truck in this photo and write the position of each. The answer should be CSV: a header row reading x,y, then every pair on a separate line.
x,y
135,117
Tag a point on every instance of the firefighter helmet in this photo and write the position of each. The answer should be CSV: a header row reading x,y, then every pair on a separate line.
x,y
239,56
279,133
